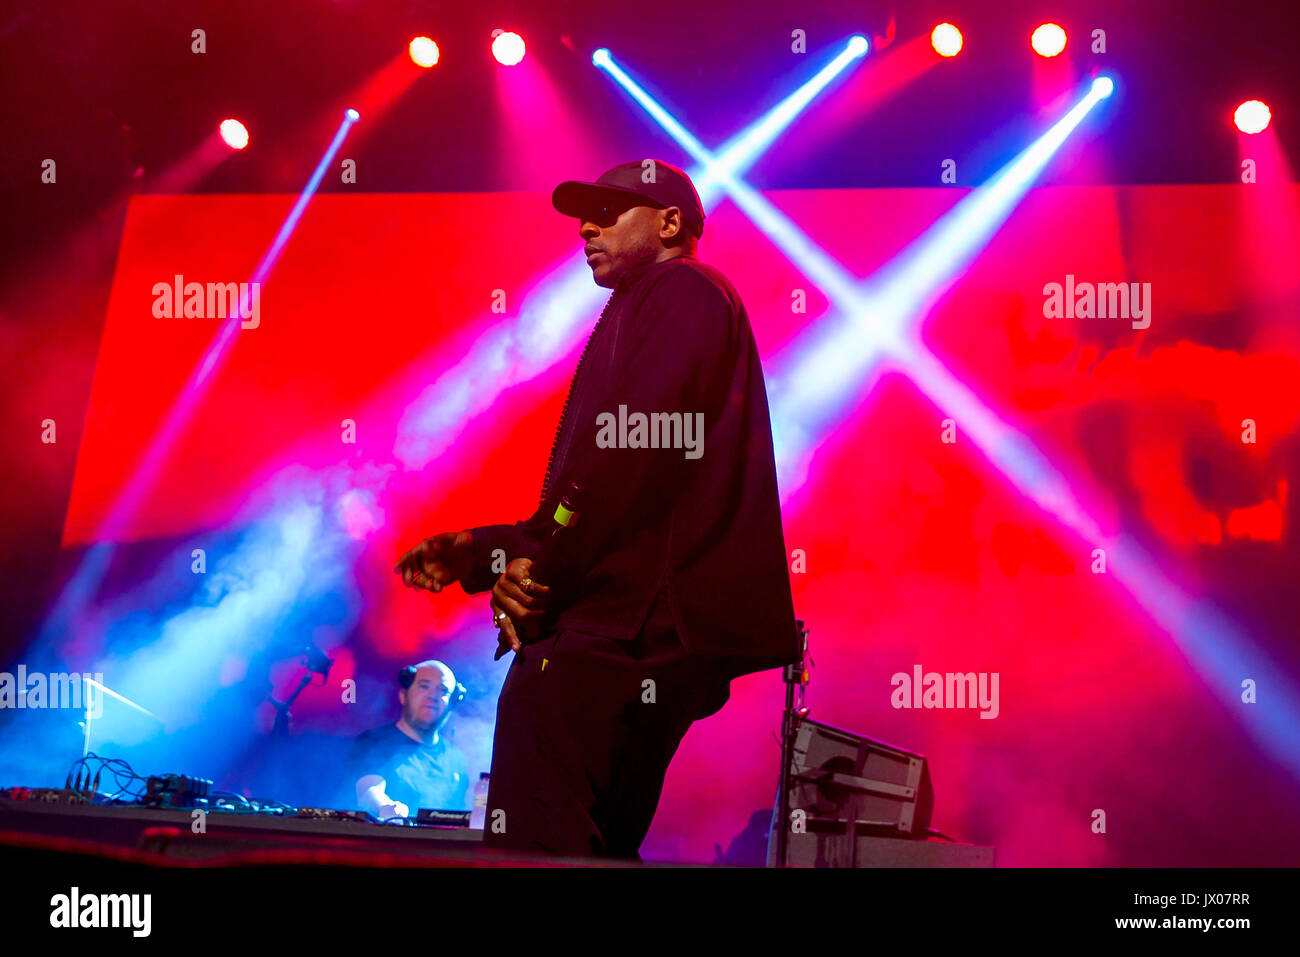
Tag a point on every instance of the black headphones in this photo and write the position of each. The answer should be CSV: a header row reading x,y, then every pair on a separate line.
x,y
406,678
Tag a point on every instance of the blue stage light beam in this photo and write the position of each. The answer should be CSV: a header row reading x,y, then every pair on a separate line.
x,y
90,572
904,290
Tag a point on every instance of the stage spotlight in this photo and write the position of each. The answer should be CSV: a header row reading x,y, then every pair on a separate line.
x,y
1103,86
353,115
858,45
1048,40
424,52
946,40
601,57
508,48
1252,116
234,133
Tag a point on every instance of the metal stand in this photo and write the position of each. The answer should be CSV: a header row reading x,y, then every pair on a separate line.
x,y
317,663
795,675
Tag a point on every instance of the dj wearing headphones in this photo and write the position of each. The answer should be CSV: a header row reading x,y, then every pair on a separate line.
x,y
401,767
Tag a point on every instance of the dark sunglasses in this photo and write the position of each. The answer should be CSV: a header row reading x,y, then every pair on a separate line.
x,y
606,214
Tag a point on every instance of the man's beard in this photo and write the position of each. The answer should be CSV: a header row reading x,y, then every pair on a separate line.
x,y
422,725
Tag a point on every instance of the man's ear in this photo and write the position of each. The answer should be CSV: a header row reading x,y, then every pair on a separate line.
x,y
401,696
672,223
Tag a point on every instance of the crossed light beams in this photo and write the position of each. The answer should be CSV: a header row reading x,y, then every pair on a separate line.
x,y
876,314
85,581
879,325
561,304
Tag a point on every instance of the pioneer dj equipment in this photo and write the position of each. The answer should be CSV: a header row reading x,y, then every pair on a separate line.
x,y
430,816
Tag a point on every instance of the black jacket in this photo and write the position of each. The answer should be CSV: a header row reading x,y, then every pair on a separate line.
x,y
673,338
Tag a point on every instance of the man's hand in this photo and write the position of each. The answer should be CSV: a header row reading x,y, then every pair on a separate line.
x,y
436,562
524,602
371,797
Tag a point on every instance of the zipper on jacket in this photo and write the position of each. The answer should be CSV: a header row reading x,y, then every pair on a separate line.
x,y
559,446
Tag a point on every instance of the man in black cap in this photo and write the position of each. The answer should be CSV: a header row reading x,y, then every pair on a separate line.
x,y
672,580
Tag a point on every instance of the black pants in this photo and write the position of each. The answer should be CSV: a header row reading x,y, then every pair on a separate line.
x,y
586,727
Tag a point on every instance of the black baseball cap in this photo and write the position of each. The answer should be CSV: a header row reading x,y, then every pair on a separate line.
x,y
670,187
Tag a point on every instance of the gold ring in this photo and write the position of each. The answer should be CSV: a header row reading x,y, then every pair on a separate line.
x,y
526,584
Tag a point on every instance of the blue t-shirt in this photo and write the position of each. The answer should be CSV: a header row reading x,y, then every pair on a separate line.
x,y
417,774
